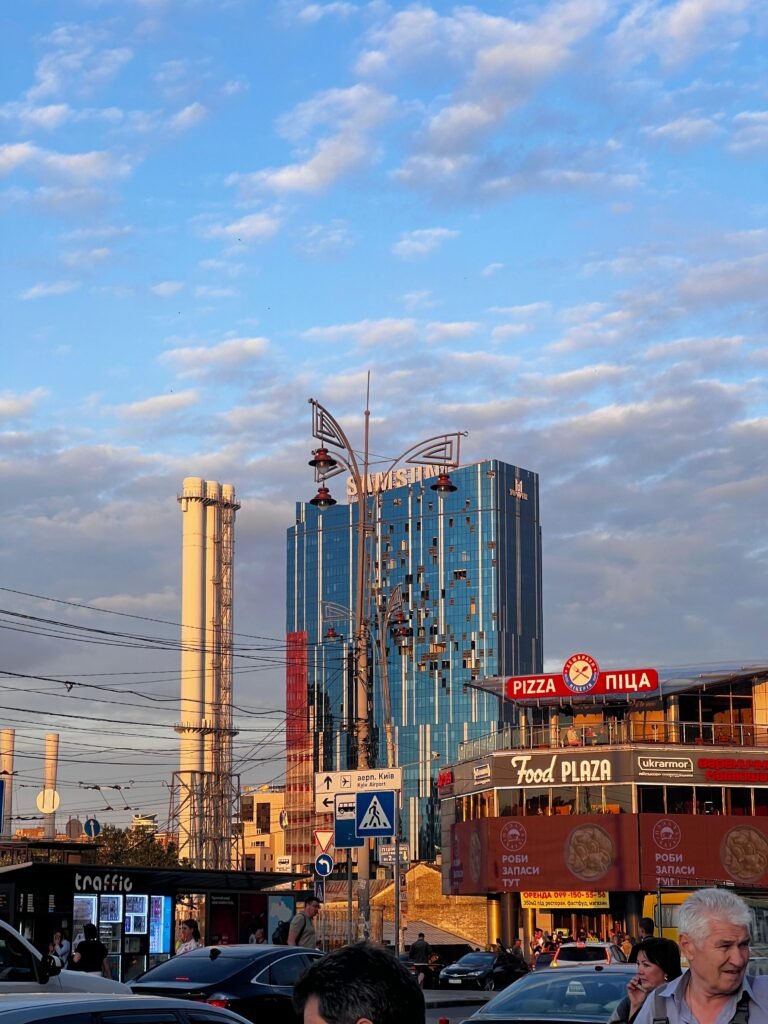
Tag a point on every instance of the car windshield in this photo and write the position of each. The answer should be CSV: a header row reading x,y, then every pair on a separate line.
x,y
201,969
552,995
476,959
583,954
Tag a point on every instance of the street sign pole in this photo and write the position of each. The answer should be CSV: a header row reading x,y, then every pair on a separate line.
x,y
396,869
350,936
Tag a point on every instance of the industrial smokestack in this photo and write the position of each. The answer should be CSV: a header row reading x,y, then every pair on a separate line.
x,y
190,728
49,782
7,747
205,786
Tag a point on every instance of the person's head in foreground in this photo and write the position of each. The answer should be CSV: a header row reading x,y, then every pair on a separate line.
x,y
714,937
359,984
657,961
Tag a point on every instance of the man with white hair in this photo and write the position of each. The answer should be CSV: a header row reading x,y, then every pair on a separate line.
x,y
714,938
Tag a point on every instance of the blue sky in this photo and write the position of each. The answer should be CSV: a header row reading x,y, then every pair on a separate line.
x,y
542,223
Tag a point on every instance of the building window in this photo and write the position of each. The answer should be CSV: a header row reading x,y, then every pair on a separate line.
x,y
738,800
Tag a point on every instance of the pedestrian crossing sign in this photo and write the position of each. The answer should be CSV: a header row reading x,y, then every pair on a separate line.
x,y
375,814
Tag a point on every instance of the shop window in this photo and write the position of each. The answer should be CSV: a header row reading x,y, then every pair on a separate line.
x,y
680,800
650,799
709,800
738,800
618,799
761,802
564,800
510,802
537,801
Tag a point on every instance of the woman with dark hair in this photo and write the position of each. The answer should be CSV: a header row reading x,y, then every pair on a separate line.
x,y
190,936
657,961
90,955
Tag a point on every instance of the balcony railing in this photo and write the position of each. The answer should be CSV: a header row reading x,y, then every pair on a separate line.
x,y
612,732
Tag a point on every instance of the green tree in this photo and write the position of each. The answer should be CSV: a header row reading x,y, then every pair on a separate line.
x,y
133,848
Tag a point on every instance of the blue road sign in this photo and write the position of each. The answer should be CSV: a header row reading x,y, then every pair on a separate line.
x,y
344,835
323,865
92,828
320,889
375,813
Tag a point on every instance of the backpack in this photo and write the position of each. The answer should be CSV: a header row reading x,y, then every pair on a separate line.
x,y
280,934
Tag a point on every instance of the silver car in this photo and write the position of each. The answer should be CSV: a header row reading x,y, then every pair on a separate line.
x,y
59,1008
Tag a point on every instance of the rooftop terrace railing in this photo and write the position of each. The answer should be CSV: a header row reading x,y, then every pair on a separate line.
x,y
615,731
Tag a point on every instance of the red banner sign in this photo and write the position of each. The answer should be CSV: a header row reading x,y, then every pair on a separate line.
x,y
622,852
582,677
689,849
523,854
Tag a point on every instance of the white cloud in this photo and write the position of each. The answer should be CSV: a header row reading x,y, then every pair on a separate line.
x,y
750,131
313,13
76,63
203,291
157,406
87,257
368,333
13,405
47,117
505,331
321,239
254,227
227,357
677,32
491,268
582,379
418,300
694,348
415,244
166,289
45,290
81,167
351,115
223,266
685,130
726,281
189,117
529,309
437,331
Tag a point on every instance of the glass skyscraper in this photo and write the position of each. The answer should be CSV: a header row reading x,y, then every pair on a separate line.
x,y
460,576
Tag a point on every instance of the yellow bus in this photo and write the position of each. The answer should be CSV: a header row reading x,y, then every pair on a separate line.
x,y
664,907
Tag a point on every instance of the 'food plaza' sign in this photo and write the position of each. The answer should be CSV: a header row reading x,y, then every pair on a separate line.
x,y
582,677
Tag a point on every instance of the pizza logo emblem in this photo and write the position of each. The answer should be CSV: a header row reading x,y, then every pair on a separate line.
x,y
514,836
667,834
580,673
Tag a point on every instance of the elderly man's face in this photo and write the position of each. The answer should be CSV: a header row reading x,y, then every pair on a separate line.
x,y
719,963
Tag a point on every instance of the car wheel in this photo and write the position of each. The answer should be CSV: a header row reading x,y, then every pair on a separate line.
x,y
489,985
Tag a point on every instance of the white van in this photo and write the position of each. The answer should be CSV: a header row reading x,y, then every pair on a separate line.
x,y
22,969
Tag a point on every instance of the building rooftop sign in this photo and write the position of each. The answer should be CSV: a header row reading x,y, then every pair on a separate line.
x,y
582,677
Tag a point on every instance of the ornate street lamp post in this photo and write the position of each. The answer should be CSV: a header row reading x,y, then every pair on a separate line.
x,y
336,454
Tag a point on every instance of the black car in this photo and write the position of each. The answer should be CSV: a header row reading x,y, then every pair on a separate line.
x,y
584,994
255,981
490,971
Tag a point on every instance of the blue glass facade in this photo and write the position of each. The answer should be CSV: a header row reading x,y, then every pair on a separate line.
x,y
468,566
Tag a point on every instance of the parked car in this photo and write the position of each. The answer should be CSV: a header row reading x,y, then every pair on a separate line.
x,y
584,994
482,970
542,960
430,971
90,1008
253,980
571,953
23,969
